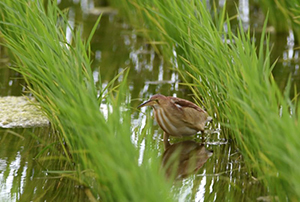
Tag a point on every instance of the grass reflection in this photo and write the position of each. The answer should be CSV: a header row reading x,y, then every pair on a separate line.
x,y
26,177
223,177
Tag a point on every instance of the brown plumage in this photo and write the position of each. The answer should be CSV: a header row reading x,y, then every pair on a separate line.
x,y
177,117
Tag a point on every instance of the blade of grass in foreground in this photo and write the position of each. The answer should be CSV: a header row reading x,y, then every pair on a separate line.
x,y
59,75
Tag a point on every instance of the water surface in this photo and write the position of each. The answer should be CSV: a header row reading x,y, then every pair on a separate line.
x,y
24,161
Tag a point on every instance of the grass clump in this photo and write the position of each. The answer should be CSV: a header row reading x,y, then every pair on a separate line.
x,y
232,77
59,75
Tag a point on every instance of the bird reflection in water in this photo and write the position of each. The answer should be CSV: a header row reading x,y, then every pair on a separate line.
x,y
184,158
180,118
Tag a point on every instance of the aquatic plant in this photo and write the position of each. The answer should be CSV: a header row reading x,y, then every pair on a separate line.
x,y
58,72
232,77
283,15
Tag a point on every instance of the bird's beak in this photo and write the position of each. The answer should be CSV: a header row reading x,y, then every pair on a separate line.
x,y
147,103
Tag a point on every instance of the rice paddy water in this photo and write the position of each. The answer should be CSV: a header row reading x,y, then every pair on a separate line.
x,y
105,149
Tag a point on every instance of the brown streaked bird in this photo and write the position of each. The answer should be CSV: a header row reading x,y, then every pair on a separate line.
x,y
177,117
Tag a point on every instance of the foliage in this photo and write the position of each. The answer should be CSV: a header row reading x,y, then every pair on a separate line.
x,y
58,72
284,15
233,79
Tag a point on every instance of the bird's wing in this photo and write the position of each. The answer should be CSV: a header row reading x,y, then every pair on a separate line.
x,y
192,114
186,103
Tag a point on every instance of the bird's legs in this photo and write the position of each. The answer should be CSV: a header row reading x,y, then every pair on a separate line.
x,y
166,140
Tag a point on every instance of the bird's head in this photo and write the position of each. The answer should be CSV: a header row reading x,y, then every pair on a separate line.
x,y
155,101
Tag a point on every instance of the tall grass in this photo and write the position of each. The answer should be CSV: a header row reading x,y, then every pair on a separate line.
x,y
233,79
284,15
59,75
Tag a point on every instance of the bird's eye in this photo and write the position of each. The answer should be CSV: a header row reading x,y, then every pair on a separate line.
x,y
157,101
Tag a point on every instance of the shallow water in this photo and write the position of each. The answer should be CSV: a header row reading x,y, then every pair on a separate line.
x,y
28,159
116,46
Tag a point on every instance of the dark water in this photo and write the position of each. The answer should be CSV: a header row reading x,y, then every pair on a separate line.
x,y
25,164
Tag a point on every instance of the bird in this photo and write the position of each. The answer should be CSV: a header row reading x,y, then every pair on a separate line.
x,y
176,116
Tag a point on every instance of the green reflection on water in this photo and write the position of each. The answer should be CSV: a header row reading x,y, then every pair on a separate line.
x,y
24,177
116,46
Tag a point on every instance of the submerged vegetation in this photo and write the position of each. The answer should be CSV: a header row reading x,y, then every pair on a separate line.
x,y
228,73
232,77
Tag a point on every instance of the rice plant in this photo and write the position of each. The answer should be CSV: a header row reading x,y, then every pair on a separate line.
x,y
283,15
232,77
58,73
